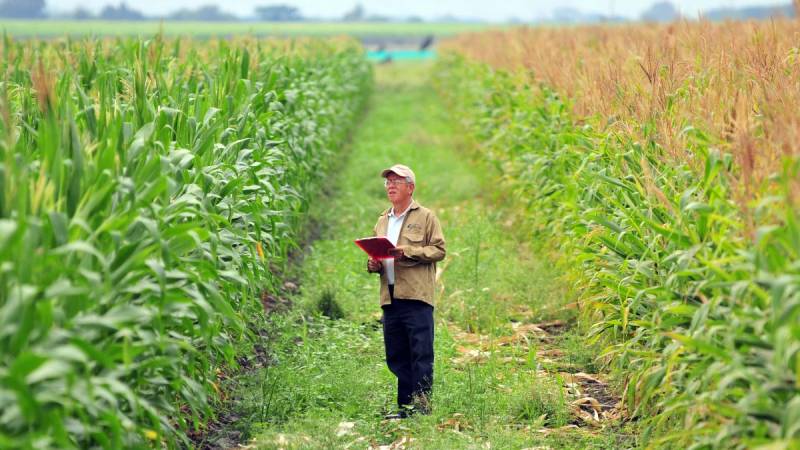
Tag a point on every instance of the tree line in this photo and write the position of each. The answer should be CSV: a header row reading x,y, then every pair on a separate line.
x,y
661,11
36,9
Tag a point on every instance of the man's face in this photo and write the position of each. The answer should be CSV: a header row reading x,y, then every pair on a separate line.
x,y
397,189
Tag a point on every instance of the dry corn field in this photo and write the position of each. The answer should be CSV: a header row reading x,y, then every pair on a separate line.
x,y
737,82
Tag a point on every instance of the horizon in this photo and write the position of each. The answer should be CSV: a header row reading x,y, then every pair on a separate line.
x,y
513,10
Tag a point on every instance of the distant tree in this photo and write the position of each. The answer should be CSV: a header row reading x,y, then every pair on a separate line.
x,y
121,12
661,12
279,13
82,13
207,13
565,15
22,9
354,15
749,13
376,18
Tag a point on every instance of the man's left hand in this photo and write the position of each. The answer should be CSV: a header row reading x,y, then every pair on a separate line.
x,y
396,252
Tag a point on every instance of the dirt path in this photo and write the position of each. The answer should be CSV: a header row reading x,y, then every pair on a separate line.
x,y
511,371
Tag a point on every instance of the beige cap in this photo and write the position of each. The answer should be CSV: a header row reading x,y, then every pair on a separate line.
x,y
400,170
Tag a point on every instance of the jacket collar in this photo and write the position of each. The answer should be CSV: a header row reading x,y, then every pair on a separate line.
x,y
414,205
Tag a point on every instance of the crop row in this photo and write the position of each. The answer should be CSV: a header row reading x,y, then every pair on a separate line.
x,y
738,82
699,316
152,190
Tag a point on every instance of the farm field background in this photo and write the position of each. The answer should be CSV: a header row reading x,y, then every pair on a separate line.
x,y
56,28
622,209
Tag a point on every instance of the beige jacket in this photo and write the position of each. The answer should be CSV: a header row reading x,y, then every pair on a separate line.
x,y
423,245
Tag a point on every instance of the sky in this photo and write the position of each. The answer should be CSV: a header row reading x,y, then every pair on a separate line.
x,y
488,10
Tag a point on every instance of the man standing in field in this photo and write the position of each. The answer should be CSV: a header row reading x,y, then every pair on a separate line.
x,y
407,286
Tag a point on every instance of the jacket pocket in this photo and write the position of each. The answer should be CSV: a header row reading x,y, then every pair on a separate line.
x,y
406,262
414,239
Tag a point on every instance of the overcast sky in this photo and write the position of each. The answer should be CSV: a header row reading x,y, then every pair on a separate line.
x,y
489,10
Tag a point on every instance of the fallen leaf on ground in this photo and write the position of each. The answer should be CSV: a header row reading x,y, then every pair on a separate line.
x,y
551,324
551,352
399,444
590,418
471,356
588,401
455,423
344,428
360,439
565,428
512,359
586,377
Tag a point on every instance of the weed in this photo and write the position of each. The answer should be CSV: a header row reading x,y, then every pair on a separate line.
x,y
328,306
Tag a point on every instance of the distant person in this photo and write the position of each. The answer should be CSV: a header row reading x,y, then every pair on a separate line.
x,y
426,43
407,287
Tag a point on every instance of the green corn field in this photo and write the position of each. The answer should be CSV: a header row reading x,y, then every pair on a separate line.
x,y
152,190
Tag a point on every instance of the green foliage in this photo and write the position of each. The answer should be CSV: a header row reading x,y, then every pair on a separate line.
x,y
328,306
147,202
696,297
57,28
543,404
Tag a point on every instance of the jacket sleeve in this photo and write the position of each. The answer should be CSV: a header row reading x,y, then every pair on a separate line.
x,y
432,252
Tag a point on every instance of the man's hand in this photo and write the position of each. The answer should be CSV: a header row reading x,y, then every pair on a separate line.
x,y
373,265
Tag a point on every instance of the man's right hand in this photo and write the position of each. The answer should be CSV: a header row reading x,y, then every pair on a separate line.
x,y
373,265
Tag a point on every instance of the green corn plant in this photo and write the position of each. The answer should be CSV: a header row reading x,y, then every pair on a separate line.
x,y
151,192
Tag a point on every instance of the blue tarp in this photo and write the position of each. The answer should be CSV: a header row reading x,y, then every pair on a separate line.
x,y
400,55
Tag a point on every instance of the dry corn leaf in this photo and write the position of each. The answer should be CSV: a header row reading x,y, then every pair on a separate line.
x,y
344,428
581,378
512,359
457,422
359,440
551,324
565,428
471,356
524,328
399,444
552,352
588,401
589,418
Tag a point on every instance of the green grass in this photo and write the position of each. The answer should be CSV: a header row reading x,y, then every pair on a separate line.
x,y
329,374
53,28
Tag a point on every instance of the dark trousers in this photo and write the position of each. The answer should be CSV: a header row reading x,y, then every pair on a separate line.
x,y
408,338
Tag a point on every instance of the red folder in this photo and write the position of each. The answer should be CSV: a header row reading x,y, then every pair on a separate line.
x,y
376,247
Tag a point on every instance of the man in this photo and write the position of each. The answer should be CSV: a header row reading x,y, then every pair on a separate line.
x,y
407,286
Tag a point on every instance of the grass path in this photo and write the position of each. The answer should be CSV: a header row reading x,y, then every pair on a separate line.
x,y
506,356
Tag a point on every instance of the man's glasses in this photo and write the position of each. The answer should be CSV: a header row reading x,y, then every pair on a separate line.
x,y
387,182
